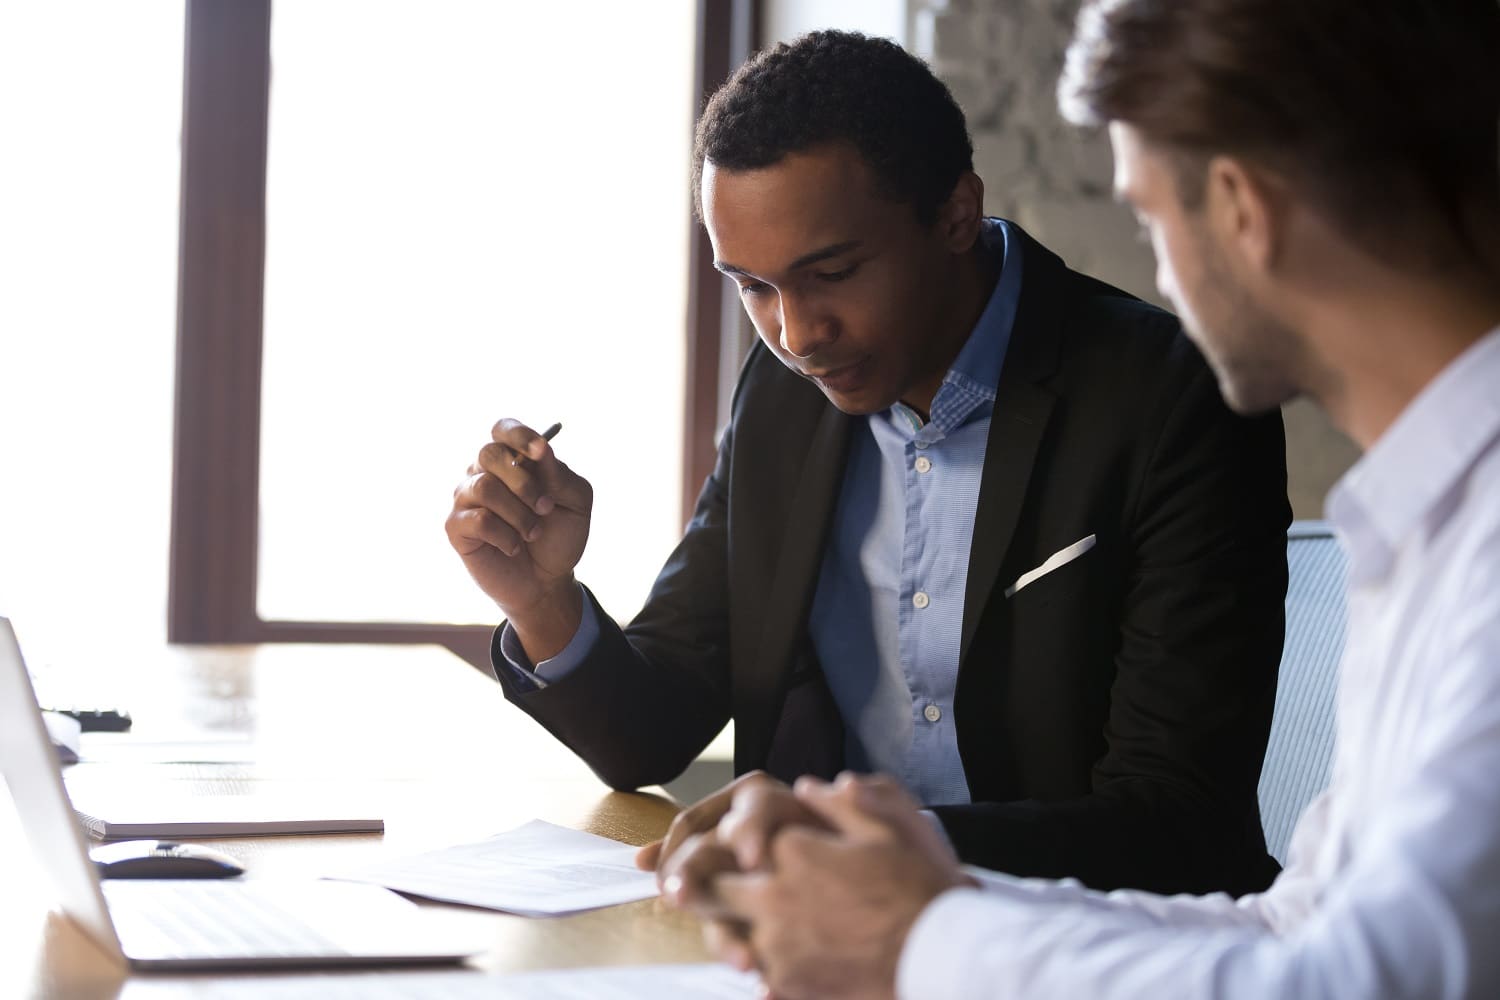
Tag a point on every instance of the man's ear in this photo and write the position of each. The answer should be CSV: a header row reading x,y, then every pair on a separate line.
x,y
959,218
1246,212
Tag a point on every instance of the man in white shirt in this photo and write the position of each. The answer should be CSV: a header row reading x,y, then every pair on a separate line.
x,y
1319,181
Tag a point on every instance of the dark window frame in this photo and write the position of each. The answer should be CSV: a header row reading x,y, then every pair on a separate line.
x,y
221,283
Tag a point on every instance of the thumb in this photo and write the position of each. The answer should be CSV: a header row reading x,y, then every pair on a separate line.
x,y
882,797
649,857
566,488
844,807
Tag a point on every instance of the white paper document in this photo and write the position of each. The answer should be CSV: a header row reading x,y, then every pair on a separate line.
x,y
643,982
127,748
535,870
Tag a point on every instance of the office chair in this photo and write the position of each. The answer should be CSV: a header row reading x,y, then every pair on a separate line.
x,y
1299,754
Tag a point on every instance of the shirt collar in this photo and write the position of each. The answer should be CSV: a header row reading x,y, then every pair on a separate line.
x,y
983,354
1398,487
975,373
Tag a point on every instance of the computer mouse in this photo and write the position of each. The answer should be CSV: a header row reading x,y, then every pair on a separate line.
x,y
163,859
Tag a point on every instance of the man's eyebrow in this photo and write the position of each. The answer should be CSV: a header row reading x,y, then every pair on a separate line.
x,y
806,260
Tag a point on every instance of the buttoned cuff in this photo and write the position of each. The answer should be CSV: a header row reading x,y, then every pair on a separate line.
x,y
511,656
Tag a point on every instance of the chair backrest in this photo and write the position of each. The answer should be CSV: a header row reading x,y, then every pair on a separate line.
x,y
1299,755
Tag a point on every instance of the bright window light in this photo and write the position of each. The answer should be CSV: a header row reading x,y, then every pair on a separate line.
x,y
91,109
475,210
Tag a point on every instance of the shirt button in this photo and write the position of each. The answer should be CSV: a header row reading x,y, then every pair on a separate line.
x,y
920,444
920,599
924,464
932,713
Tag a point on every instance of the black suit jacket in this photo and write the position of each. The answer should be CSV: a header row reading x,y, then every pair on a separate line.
x,y
1112,716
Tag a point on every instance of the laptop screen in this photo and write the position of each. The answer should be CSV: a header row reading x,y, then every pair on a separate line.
x,y
34,776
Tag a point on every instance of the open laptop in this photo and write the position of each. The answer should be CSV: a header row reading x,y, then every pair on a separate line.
x,y
195,923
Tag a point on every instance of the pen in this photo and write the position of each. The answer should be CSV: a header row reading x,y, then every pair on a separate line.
x,y
547,435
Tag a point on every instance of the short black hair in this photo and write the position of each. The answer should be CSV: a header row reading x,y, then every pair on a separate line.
x,y
840,86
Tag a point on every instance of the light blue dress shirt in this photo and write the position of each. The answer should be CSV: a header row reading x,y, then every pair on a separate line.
x,y
888,609
889,606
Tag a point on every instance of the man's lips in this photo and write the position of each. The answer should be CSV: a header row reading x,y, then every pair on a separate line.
x,y
842,378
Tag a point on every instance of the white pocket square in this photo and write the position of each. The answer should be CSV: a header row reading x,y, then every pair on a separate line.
x,y
1059,558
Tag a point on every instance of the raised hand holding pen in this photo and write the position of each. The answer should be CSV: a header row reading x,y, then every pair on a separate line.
x,y
520,520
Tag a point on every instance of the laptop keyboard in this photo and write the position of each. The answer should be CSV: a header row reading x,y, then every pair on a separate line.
x,y
198,919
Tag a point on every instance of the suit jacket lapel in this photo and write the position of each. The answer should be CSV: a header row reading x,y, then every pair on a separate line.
x,y
790,594
1023,406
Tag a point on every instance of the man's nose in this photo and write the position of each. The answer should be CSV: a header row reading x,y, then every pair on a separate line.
x,y
803,332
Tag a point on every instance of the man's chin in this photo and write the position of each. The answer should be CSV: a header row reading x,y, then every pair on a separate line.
x,y
1251,397
857,404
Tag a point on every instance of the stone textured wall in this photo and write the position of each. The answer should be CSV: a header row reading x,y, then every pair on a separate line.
x,y
1002,59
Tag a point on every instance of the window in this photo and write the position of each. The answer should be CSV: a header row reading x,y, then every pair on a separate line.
x,y
360,295
88,262
473,210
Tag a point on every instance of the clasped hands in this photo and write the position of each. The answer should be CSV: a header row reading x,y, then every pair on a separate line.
x,y
816,885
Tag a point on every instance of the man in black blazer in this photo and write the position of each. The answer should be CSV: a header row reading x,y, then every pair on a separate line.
x,y
1111,671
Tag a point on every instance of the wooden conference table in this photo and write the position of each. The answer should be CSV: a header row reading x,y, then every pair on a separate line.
x,y
411,731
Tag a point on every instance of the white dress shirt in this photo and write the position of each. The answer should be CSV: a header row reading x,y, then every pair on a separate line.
x,y
1392,887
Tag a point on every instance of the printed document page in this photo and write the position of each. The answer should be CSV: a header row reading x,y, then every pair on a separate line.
x,y
535,870
642,982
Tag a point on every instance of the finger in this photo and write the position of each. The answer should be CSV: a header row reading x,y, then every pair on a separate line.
x,y
522,440
691,822
471,528
485,490
526,482
648,857
878,794
689,878
883,797
706,813
686,825
730,942
756,814
473,470
520,446
741,897
840,806
920,834
542,483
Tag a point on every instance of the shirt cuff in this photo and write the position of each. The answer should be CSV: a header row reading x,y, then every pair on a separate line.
x,y
553,669
937,824
952,930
